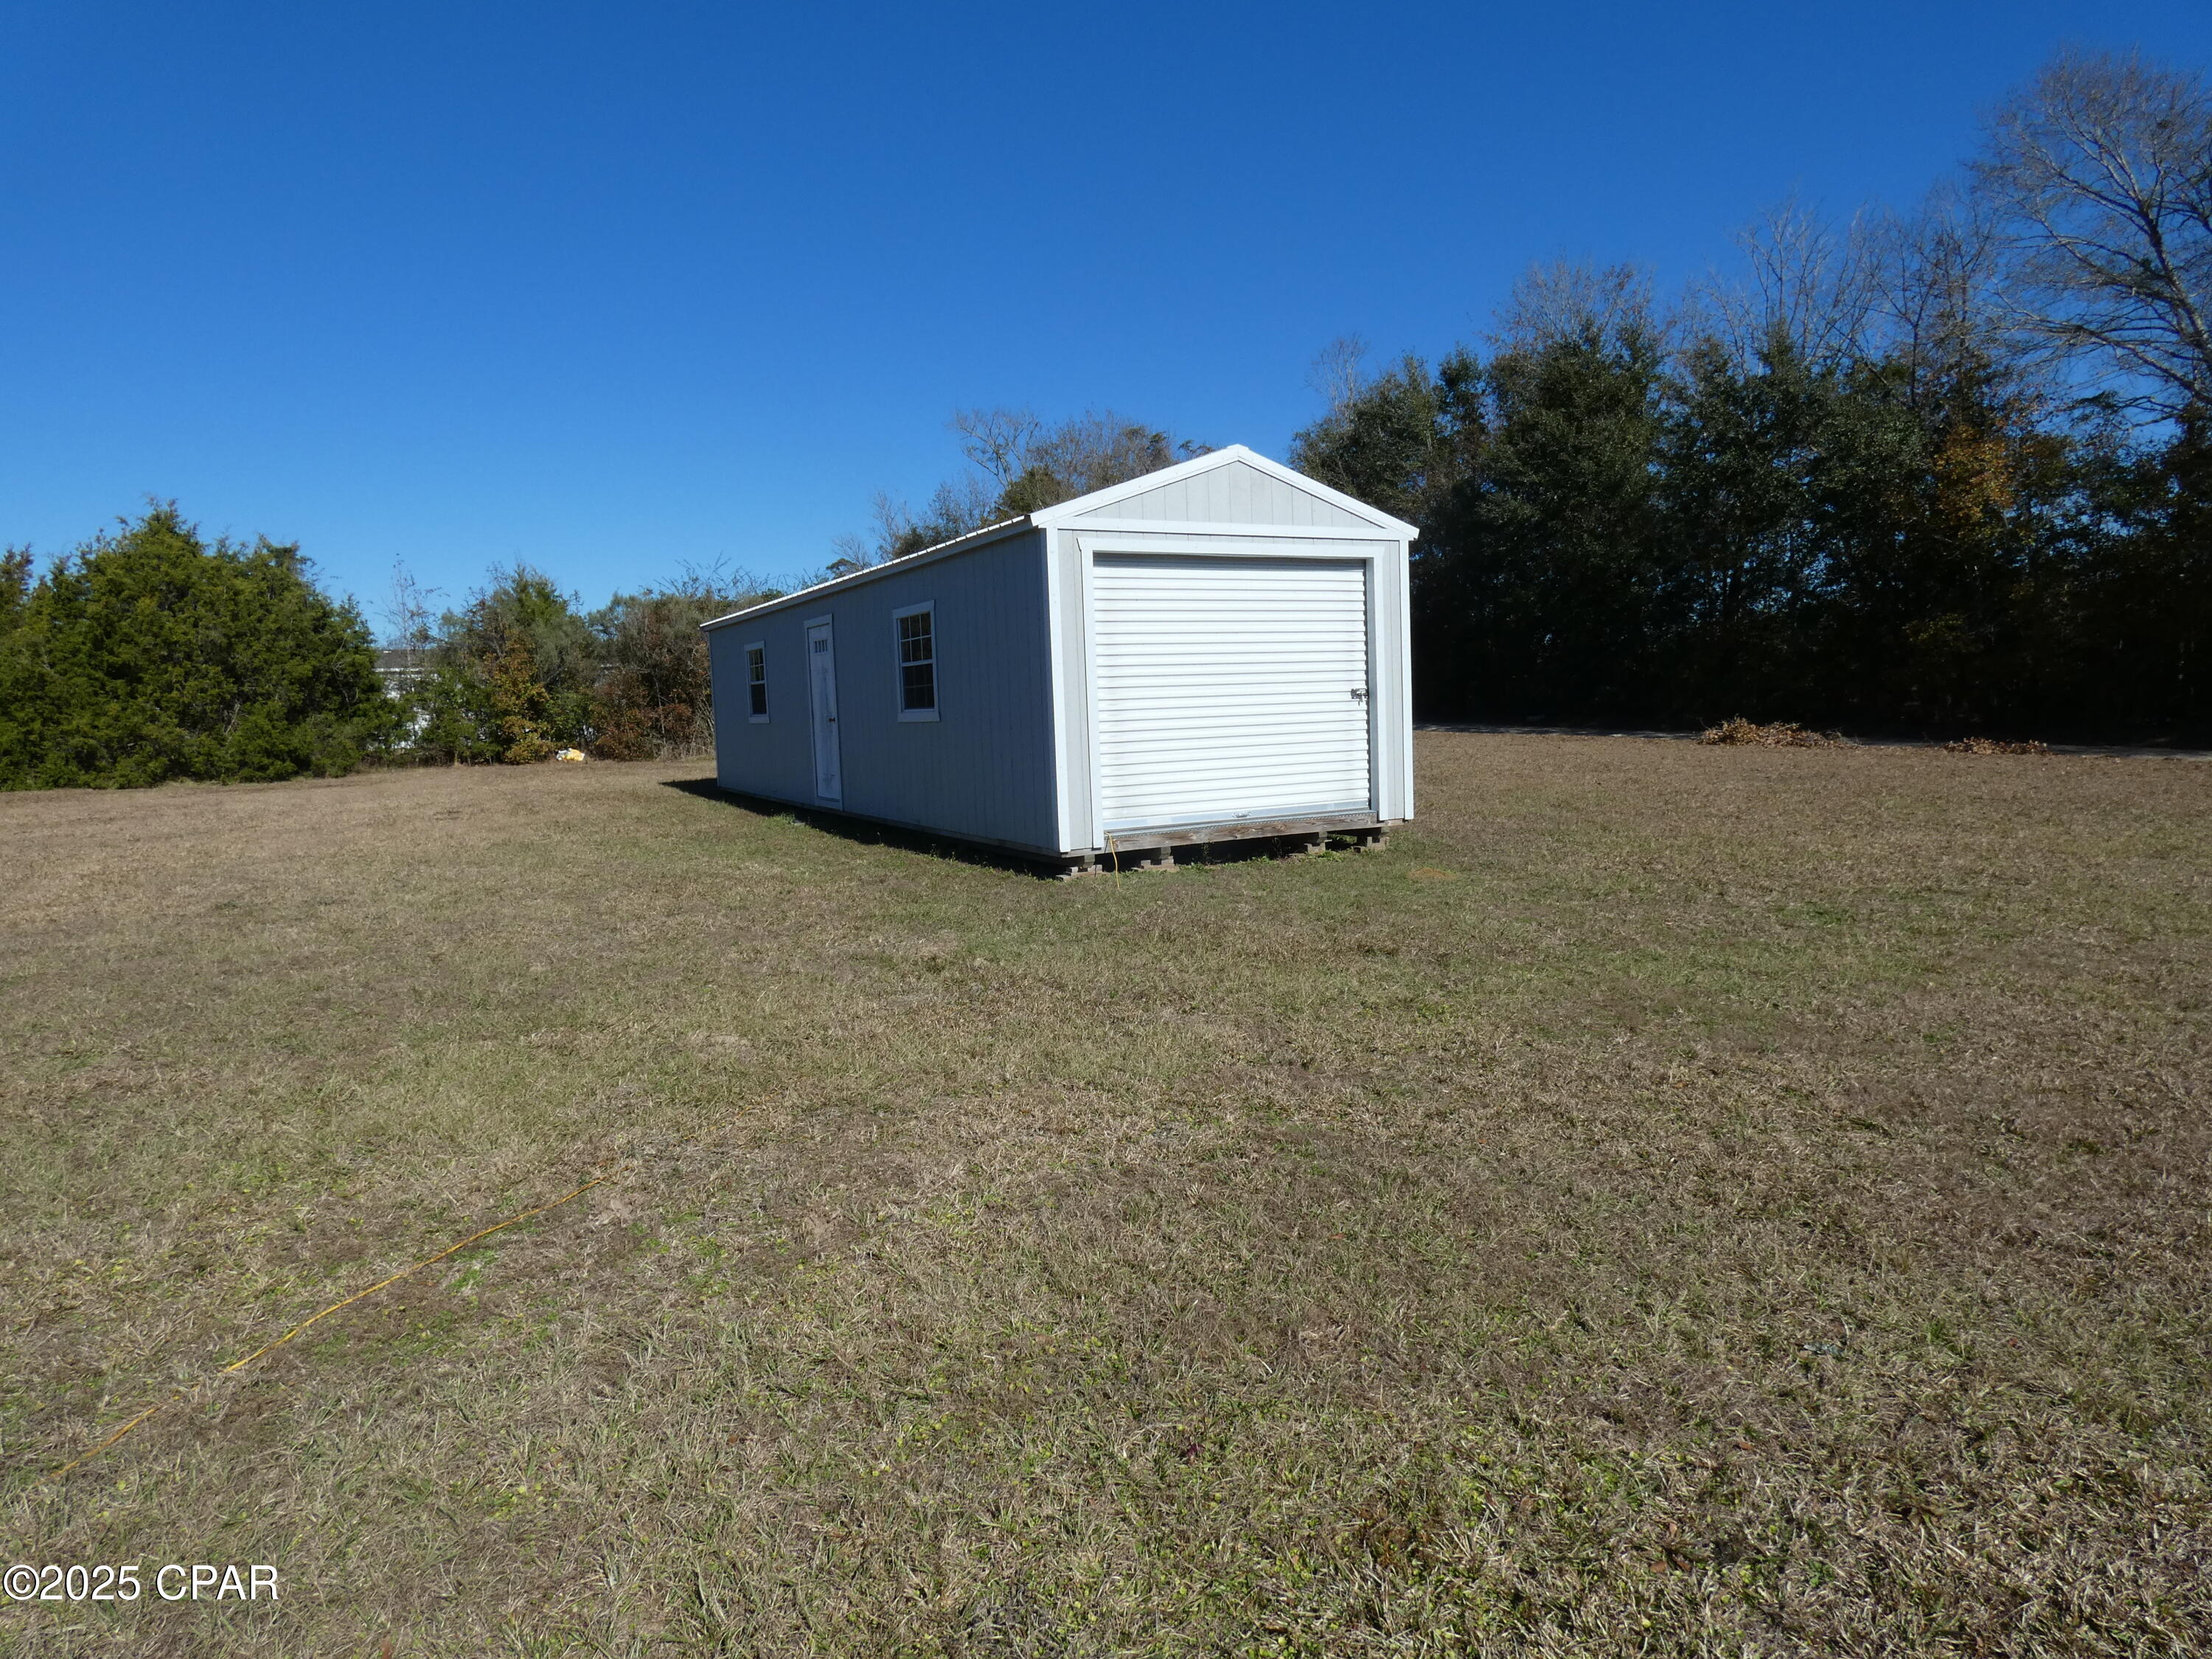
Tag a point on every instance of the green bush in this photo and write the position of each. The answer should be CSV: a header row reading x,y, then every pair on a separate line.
x,y
511,674
653,696
149,655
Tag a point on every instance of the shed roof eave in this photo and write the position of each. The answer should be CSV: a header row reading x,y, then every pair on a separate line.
x,y
989,533
1065,513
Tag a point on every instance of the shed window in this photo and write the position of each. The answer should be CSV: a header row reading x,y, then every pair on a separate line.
x,y
756,680
917,662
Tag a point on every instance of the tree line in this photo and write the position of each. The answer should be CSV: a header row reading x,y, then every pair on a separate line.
x,y
1949,470
520,670
1942,471
150,654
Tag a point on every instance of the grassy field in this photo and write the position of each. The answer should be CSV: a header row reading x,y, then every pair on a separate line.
x,y
1675,1200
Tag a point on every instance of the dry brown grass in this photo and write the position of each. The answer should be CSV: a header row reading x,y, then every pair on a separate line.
x,y
1758,1206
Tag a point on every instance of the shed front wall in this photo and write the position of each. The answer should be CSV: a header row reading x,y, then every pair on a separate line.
x,y
982,769
1390,681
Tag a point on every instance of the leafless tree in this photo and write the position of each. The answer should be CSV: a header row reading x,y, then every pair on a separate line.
x,y
957,507
1806,281
1096,449
1607,306
408,616
2099,173
1021,465
1034,465
1939,307
851,553
997,440
1337,373
1922,289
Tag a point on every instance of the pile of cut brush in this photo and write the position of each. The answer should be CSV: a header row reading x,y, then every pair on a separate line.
x,y
1994,746
1787,735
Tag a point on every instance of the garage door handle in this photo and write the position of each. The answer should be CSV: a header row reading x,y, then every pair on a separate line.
x,y
1360,694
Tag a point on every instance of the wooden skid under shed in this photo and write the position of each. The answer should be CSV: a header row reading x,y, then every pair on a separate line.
x,y
1154,849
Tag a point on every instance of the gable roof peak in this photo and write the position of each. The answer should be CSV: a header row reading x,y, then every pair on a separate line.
x,y
1227,455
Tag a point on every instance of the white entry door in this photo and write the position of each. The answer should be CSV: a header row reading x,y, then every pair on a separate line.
x,y
822,681
1229,688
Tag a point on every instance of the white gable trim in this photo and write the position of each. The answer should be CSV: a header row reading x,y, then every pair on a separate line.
x,y
1067,510
1227,531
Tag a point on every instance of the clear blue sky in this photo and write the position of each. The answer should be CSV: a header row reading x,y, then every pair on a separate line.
x,y
611,287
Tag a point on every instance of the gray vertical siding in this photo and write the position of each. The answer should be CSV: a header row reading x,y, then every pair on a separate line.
x,y
983,768
774,757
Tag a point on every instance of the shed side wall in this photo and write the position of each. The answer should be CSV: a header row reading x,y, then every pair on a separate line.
x,y
982,769
770,757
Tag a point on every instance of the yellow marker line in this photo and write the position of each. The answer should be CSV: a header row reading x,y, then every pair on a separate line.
x,y
271,1347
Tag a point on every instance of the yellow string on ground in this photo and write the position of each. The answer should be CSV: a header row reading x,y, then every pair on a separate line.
x,y
381,1284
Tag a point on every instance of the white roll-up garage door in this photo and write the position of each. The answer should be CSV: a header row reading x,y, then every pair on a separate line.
x,y
1229,688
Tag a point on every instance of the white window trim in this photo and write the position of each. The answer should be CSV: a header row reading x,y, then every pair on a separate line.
x,y
750,647
898,664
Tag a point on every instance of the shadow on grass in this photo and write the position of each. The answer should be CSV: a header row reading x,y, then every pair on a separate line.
x,y
866,832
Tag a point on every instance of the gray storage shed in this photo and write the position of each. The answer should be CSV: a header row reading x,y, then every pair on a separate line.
x,y
1214,651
